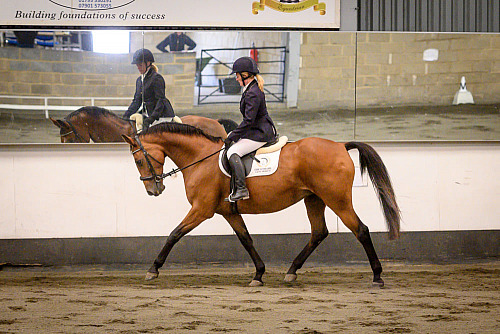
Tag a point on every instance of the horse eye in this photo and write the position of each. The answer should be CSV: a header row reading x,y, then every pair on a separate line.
x,y
138,163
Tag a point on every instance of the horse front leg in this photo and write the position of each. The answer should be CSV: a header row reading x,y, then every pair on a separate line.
x,y
193,219
239,227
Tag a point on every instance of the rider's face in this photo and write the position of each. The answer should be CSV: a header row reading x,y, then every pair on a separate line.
x,y
142,67
240,79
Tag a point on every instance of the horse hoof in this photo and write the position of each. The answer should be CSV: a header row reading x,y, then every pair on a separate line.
x,y
289,278
254,282
378,283
150,276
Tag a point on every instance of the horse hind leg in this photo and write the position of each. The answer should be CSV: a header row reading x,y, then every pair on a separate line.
x,y
362,233
363,236
316,213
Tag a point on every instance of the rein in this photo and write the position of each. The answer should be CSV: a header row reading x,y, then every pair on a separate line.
x,y
158,178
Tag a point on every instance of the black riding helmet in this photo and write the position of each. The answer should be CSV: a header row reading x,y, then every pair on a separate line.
x,y
143,56
245,64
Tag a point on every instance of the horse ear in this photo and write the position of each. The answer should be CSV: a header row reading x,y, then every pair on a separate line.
x,y
59,123
129,140
56,122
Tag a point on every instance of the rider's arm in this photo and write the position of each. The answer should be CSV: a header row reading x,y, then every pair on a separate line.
x,y
251,107
158,87
162,46
190,43
136,102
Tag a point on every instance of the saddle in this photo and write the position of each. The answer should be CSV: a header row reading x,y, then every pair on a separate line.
x,y
263,161
139,118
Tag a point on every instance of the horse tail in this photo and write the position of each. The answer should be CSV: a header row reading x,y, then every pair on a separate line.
x,y
228,124
371,161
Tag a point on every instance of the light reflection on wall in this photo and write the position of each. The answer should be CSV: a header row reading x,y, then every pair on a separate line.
x,y
111,41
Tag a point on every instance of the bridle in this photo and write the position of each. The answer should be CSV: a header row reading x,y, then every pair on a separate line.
x,y
73,130
158,178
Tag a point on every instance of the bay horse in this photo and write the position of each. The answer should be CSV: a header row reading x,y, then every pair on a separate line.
x,y
317,170
102,126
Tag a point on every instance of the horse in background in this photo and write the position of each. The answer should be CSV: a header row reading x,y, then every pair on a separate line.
x,y
100,125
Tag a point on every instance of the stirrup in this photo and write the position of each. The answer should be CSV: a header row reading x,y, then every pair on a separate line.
x,y
232,200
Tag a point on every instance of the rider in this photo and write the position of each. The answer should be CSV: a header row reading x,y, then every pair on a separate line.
x,y
156,107
255,130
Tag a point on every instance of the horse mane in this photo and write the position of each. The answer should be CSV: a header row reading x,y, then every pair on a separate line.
x,y
179,128
92,111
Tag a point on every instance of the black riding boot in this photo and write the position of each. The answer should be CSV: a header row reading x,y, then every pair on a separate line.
x,y
240,191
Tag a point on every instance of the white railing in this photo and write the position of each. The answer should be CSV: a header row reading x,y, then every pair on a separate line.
x,y
46,106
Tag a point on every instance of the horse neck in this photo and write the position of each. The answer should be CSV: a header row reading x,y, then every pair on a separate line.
x,y
123,126
78,123
108,128
184,149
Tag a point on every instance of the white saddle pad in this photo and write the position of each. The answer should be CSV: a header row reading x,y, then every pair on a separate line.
x,y
267,165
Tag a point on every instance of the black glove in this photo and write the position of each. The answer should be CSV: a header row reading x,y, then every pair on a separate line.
x,y
146,123
228,142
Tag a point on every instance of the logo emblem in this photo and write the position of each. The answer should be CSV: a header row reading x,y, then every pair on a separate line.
x,y
263,162
289,6
92,5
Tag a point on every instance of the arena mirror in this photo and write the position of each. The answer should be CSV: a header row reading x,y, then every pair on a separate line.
x,y
337,85
51,81
427,86
50,74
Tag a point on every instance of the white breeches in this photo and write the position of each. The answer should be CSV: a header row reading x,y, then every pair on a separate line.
x,y
244,146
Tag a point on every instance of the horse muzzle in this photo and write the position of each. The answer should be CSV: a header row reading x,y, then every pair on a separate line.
x,y
155,189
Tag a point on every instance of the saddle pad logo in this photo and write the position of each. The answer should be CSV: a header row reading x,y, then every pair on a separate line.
x,y
261,167
289,6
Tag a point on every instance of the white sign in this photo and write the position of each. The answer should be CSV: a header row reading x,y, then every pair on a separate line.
x,y
431,55
255,14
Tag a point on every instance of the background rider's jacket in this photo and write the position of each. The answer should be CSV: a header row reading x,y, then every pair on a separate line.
x,y
157,104
256,124
176,43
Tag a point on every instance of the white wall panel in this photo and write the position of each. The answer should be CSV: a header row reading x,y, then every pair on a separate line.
x,y
7,199
56,191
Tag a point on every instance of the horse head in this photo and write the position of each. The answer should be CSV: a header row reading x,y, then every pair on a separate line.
x,y
149,161
68,132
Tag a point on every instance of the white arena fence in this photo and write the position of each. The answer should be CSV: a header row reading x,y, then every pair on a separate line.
x,y
44,103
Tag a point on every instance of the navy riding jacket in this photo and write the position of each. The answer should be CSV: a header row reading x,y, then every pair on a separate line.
x,y
176,43
257,124
155,101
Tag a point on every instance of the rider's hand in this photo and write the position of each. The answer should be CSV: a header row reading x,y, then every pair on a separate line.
x,y
227,142
147,123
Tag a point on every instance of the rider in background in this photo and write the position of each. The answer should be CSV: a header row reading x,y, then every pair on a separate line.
x,y
155,105
255,130
176,41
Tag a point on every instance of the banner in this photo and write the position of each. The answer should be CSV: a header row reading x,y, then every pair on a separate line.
x,y
251,14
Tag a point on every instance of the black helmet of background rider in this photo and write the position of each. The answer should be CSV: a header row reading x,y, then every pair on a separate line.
x,y
143,56
245,64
